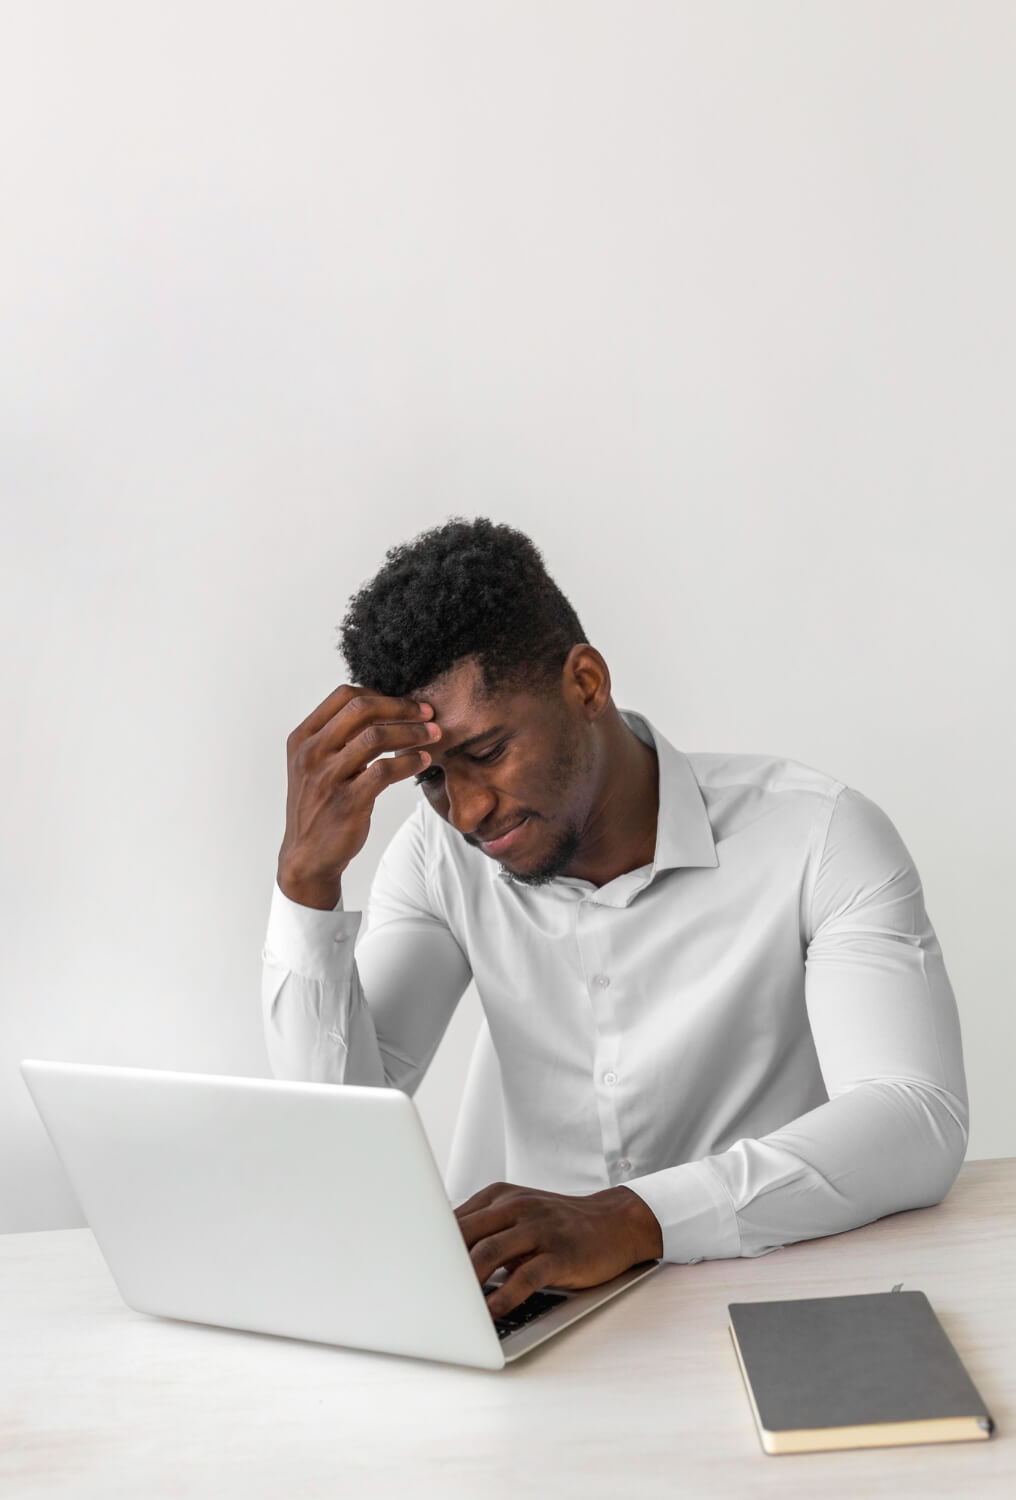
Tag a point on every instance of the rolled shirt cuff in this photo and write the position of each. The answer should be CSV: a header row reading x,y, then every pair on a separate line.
x,y
694,1210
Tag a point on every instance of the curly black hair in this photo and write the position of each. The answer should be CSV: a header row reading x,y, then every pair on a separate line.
x,y
468,588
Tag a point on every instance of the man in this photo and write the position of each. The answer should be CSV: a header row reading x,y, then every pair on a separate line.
x,y
721,1013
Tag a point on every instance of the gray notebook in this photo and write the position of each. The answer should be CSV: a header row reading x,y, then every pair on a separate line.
x,y
866,1371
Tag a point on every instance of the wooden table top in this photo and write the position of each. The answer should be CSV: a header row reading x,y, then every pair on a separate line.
x,y
643,1398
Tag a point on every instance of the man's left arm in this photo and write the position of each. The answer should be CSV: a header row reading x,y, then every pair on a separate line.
x,y
886,1029
891,1137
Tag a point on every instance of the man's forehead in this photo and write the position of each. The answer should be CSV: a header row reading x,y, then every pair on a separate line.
x,y
460,709
466,712
460,694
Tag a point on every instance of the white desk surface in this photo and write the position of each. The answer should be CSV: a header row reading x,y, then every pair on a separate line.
x,y
641,1399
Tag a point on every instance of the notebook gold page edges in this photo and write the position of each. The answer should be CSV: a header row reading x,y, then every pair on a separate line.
x,y
871,1435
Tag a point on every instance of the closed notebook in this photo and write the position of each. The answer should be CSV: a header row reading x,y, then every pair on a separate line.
x,y
869,1371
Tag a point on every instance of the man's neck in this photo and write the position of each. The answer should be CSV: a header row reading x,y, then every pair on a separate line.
x,y
622,833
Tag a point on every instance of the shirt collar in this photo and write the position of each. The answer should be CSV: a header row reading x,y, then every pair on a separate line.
x,y
684,836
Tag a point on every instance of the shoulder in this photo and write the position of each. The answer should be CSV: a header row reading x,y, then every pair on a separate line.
x,y
742,788
777,775
850,847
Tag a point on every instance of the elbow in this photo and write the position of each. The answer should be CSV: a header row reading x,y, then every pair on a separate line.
x,y
942,1169
948,1164
943,1131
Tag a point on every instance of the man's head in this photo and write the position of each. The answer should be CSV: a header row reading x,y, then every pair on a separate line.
x,y
465,617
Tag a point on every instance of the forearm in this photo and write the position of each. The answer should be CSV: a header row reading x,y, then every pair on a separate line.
x,y
317,1026
314,1036
880,1148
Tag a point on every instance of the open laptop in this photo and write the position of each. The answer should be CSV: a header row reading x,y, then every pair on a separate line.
x,y
311,1210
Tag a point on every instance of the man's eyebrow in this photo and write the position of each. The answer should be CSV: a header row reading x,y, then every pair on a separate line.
x,y
475,739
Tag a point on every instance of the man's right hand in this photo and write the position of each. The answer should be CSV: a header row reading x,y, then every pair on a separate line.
x,y
334,779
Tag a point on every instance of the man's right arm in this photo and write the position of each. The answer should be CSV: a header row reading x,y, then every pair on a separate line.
x,y
318,1024
373,1016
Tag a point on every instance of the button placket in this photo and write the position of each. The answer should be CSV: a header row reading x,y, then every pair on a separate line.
x,y
595,964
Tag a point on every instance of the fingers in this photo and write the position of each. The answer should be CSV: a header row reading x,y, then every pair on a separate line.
x,y
368,712
362,729
481,1199
379,739
499,1232
365,705
357,735
527,1278
336,767
483,1222
498,1249
490,1210
511,1264
542,1239
318,717
375,777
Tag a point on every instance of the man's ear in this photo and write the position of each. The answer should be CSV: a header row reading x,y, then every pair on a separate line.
x,y
586,679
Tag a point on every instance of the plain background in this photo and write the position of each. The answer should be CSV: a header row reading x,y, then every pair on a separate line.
x,y
713,300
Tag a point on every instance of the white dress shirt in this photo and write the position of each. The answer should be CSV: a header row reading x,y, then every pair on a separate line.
x,y
755,1033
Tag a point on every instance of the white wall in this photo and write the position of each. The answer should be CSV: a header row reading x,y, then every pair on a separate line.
x,y
713,300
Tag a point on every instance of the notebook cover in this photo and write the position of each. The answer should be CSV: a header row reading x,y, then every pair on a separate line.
x,y
872,1370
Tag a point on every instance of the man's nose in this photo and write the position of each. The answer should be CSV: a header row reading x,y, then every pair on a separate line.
x,y
469,807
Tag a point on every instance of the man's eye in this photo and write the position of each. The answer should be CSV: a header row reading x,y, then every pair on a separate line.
x,y
435,771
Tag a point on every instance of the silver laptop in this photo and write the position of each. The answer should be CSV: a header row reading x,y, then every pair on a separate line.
x,y
310,1210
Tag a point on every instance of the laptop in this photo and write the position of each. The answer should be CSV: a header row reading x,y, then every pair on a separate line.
x,y
308,1210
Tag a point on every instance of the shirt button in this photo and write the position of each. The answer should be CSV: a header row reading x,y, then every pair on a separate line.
x,y
610,1078
624,1165
602,980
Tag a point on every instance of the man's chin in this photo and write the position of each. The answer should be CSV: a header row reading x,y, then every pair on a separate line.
x,y
523,877
542,874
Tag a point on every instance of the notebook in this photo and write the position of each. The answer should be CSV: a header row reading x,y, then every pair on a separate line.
x,y
869,1371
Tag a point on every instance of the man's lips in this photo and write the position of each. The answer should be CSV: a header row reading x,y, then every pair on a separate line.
x,y
505,840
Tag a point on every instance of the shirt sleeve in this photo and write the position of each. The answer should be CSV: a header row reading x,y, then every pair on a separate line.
x,y
345,1005
886,1029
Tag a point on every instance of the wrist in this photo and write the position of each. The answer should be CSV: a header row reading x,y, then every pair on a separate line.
x,y
322,895
639,1223
308,887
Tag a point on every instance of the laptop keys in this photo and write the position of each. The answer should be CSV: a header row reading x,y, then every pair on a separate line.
x,y
533,1307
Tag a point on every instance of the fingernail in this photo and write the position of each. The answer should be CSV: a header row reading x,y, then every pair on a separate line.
x,y
425,708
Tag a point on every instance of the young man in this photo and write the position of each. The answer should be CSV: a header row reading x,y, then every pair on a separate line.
x,y
721,1013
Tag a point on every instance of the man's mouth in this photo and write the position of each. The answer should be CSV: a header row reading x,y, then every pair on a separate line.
x,y
505,840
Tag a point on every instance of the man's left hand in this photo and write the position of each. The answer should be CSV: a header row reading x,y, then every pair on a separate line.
x,y
554,1239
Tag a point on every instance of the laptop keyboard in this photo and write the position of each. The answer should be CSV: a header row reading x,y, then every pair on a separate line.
x,y
533,1307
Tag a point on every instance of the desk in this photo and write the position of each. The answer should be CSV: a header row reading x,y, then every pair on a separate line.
x,y
641,1399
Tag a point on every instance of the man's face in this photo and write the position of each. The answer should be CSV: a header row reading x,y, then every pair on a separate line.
x,y
515,759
